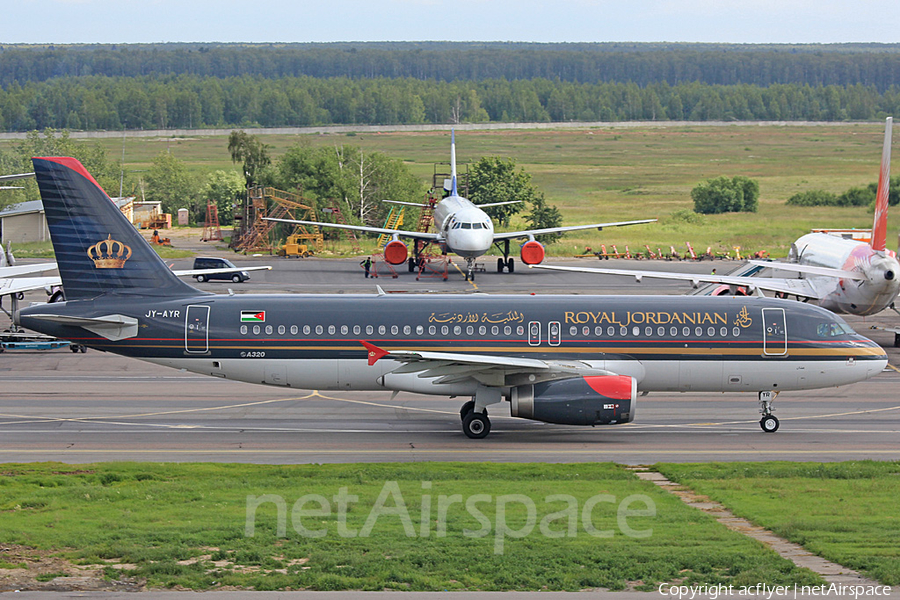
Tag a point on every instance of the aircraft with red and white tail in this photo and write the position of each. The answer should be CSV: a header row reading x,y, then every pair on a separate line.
x,y
843,275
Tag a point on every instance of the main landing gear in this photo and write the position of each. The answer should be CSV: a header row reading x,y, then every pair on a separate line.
x,y
475,425
508,263
768,422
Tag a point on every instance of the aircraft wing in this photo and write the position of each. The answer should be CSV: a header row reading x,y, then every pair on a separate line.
x,y
415,235
792,287
26,284
237,269
532,232
809,269
450,367
26,269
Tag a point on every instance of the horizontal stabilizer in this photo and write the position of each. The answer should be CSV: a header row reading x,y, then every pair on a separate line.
x,y
26,269
26,284
112,327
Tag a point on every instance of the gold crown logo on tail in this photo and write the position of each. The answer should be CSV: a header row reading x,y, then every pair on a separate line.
x,y
109,254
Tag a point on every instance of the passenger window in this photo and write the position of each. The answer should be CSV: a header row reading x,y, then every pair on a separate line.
x,y
573,331
356,329
457,330
673,331
281,330
495,330
711,331
470,330
306,330
445,330
623,331
382,330
344,330
520,330
610,331
243,330
268,330
635,330
294,330
686,332
698,332
319,330
256,330
420,330
407,330
723,332
432,330
394,330
482,330
331,330
660,331
507,330
648,331
736,332
586,331
369,330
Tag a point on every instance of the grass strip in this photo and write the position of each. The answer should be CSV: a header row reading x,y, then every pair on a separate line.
x,y
503,527
845,512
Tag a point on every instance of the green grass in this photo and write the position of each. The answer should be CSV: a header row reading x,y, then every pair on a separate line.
x,y
845,512
185,524
596,175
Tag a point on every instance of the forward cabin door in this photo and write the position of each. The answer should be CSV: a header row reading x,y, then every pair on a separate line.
x,y
774,332
196,329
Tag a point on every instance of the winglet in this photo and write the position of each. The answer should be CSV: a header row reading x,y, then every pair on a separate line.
x,y
879,229
453,189
375,353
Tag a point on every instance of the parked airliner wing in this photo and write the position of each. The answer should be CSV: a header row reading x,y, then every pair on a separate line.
x,y
810,269
792,287
238,269
26,284
532,232
398,232
26,269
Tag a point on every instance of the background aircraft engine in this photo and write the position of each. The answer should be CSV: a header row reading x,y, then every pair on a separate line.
x,y
593,400
532,253
395,252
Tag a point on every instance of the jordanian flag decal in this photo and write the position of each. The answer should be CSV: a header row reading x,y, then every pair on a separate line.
x,y
253,316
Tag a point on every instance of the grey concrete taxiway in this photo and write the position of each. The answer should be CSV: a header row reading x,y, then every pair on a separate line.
x,y
89,407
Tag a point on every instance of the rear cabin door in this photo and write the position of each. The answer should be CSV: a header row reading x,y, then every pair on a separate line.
x,y
196,329
774,332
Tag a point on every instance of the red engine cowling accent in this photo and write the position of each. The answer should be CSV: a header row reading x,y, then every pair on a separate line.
x,y
590,400
532,253
396,252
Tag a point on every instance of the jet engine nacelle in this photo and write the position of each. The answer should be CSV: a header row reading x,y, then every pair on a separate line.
x,y
532,253
592,400
395,252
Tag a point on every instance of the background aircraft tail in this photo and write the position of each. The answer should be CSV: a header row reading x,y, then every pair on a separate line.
x,y
879,229
98,251
453,188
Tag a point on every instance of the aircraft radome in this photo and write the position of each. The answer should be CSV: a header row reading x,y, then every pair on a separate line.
x,y
577,360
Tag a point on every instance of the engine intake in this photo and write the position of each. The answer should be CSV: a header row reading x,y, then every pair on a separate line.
x,y
395,252
593,400
532,253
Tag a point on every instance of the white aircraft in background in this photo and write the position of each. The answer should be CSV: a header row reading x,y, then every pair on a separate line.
x,y
463,228
845,276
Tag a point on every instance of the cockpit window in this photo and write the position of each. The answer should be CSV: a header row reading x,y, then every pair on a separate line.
x,y
467,226
833,329
476,225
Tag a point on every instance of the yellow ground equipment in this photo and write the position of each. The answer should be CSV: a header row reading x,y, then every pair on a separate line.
x,y
293,248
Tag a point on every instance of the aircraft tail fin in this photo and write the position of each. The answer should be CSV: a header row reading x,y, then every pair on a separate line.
x,y
98,251
453,189
879,228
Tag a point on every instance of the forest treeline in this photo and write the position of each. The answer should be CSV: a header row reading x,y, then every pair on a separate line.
x,y
193,101
843,65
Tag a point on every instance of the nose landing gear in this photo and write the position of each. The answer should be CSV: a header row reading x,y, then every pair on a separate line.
x,y
769,422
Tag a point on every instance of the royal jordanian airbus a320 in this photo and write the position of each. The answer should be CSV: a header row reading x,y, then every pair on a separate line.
x,y
578,360
464,229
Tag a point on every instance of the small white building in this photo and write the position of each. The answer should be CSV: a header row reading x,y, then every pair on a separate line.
x,y
24,222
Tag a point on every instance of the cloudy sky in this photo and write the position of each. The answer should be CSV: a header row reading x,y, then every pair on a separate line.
x,y
737,21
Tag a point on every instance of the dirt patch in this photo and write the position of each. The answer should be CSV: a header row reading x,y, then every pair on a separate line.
x,y
44,571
